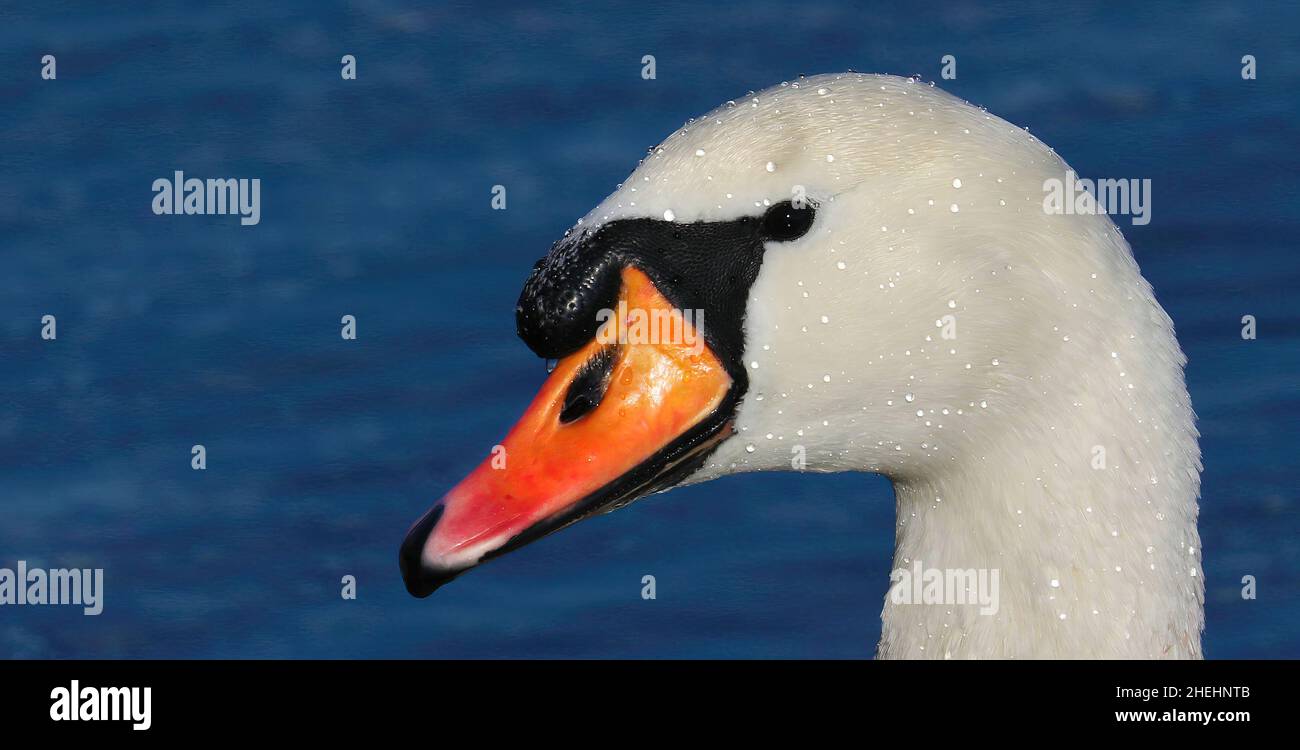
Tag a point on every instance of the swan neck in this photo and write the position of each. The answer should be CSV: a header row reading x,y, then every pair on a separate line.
x,y
1086,519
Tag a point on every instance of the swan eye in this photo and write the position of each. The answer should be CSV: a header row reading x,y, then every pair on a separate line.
x,y
784,221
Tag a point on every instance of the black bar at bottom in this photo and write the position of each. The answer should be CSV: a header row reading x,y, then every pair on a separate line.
x,y
331,699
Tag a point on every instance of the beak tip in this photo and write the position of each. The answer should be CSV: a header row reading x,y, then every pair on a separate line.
x,y
421,582
420,578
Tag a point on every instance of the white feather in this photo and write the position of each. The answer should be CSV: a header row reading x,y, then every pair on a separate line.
x,y
990,438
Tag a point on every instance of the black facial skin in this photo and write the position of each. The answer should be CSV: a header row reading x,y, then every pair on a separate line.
x,y
707,266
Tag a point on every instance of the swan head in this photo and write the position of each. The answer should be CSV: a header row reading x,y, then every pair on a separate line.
x,y
850,272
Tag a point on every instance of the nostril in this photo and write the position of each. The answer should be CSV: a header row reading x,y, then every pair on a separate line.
x,y
589,386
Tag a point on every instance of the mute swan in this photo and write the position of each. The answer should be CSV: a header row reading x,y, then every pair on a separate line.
x,y
880,289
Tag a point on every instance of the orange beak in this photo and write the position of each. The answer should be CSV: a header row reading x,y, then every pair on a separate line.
x,y
632,412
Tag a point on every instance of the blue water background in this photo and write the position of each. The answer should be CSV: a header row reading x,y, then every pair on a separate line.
x,y
375,202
